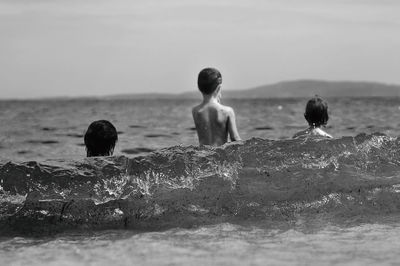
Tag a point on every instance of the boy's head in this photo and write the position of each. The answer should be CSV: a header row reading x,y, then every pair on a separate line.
x,y
317,112
100,138
208,81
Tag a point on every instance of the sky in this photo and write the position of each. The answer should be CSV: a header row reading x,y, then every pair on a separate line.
x,y
51,48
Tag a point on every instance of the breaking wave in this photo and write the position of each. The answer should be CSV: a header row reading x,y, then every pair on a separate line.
x,y
181,186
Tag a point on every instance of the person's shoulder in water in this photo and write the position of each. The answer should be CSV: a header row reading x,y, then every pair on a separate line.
x,y
317,117
100,139
214,122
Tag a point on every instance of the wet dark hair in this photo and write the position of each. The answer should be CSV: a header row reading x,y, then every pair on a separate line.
x,y
100,138
317,112
208,80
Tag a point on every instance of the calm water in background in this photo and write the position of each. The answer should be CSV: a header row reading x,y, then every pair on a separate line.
x,y
37,130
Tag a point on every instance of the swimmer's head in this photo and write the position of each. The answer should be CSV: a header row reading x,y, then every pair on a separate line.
x,y
100,139
209,80
317,112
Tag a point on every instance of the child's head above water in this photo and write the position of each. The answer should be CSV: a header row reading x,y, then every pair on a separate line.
x,y
208,81
317,112
100,139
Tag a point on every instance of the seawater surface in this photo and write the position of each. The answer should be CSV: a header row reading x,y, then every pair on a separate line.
x,y
266,200
37,130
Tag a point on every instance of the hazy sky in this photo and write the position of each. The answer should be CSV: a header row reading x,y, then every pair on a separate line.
x,y
97,47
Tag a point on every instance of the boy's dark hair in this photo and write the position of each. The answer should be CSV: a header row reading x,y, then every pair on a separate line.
x,y
317,112
208,80
100,138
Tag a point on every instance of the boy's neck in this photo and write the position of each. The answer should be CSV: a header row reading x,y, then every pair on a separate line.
x,y
313,127
211,98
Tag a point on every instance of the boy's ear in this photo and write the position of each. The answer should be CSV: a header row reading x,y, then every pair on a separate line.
x,y
218,89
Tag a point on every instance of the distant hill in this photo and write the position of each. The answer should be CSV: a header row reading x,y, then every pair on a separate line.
x,y
308,88
288,89
142,96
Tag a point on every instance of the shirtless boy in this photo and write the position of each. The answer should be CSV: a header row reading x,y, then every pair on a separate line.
x,y
317,116
214,121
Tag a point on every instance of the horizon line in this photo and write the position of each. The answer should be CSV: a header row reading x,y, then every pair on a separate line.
x,y
170,94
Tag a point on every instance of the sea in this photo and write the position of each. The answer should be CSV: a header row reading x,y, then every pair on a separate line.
x,y
163,200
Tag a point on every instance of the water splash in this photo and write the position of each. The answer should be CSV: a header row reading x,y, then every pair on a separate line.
x,y
185,186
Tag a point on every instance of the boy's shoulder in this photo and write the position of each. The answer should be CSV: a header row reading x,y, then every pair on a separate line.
x,y
302,133
196,107
227,109
312,132
320,132
218,106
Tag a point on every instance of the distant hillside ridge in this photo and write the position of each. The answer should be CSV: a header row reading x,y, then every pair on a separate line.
x,y
309,88
286,89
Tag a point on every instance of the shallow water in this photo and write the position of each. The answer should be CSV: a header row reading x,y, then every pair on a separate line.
x,y
278,202
222,244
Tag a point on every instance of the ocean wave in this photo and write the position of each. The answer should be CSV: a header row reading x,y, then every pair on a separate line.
x,y
186,185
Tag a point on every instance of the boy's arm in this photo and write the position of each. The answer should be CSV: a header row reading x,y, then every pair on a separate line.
x,y
232,129
194,116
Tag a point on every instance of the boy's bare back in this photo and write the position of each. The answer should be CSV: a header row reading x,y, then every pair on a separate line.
x,y
214,122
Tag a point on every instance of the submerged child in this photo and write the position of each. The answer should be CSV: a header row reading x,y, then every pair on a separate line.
x,y
317,116
100,139
214,121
